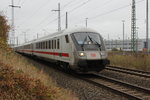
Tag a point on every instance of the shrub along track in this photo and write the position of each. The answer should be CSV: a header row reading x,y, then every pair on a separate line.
x,y
129,71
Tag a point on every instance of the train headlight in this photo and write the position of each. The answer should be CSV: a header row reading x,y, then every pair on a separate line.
x,y
81,54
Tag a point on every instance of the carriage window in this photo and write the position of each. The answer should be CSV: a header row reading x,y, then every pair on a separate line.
x,y
36,45
46,45
52,44
57,43
67,38
49,44
40,45
43,46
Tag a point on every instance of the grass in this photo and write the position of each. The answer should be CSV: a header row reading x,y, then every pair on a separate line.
x,y
139,61
20,80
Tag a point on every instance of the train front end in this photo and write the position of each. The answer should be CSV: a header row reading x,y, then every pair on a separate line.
x,y
90,54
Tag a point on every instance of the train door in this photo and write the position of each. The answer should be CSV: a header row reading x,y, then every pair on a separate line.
x,y
57,48
53,49
66,48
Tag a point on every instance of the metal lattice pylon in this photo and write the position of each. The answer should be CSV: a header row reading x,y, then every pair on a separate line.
x,y
133,27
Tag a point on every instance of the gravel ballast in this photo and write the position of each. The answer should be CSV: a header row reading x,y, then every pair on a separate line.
x,y
136,80
82,89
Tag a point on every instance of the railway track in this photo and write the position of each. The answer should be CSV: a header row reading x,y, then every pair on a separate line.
x,y
128,90
129,71
116,86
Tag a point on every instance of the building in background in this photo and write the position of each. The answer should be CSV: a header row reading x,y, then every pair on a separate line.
x,y
118,45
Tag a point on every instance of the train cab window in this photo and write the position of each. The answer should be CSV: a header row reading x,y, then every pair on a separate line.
x,y
58,43
67,38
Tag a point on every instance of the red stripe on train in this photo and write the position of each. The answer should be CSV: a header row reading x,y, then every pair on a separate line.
x,y
49,53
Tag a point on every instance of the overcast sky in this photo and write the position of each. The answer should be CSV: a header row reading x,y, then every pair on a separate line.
x,y
105,16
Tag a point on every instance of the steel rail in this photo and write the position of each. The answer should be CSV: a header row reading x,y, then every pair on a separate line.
x,y
101,85
129,71
123,88
106,86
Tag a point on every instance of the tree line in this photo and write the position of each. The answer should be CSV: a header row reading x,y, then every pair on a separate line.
x,y
4,28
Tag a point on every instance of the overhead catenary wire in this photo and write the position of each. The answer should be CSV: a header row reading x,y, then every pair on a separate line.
x,y
37,10
70,11
79,6
19,2
75,8
23,2
82,4
114,10
67,4
49,16
111,11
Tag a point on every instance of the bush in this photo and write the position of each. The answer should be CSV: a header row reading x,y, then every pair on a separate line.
x,y
4,28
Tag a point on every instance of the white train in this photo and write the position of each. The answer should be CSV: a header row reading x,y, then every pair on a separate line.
x,y
80,49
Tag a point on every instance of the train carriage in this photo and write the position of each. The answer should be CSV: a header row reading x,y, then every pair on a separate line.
x,y
80,49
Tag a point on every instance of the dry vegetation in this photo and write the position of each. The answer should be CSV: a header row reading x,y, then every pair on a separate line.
x,y
20,80
138,61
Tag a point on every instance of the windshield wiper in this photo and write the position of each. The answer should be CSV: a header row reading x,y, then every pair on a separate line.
x,y
94,41
83,43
